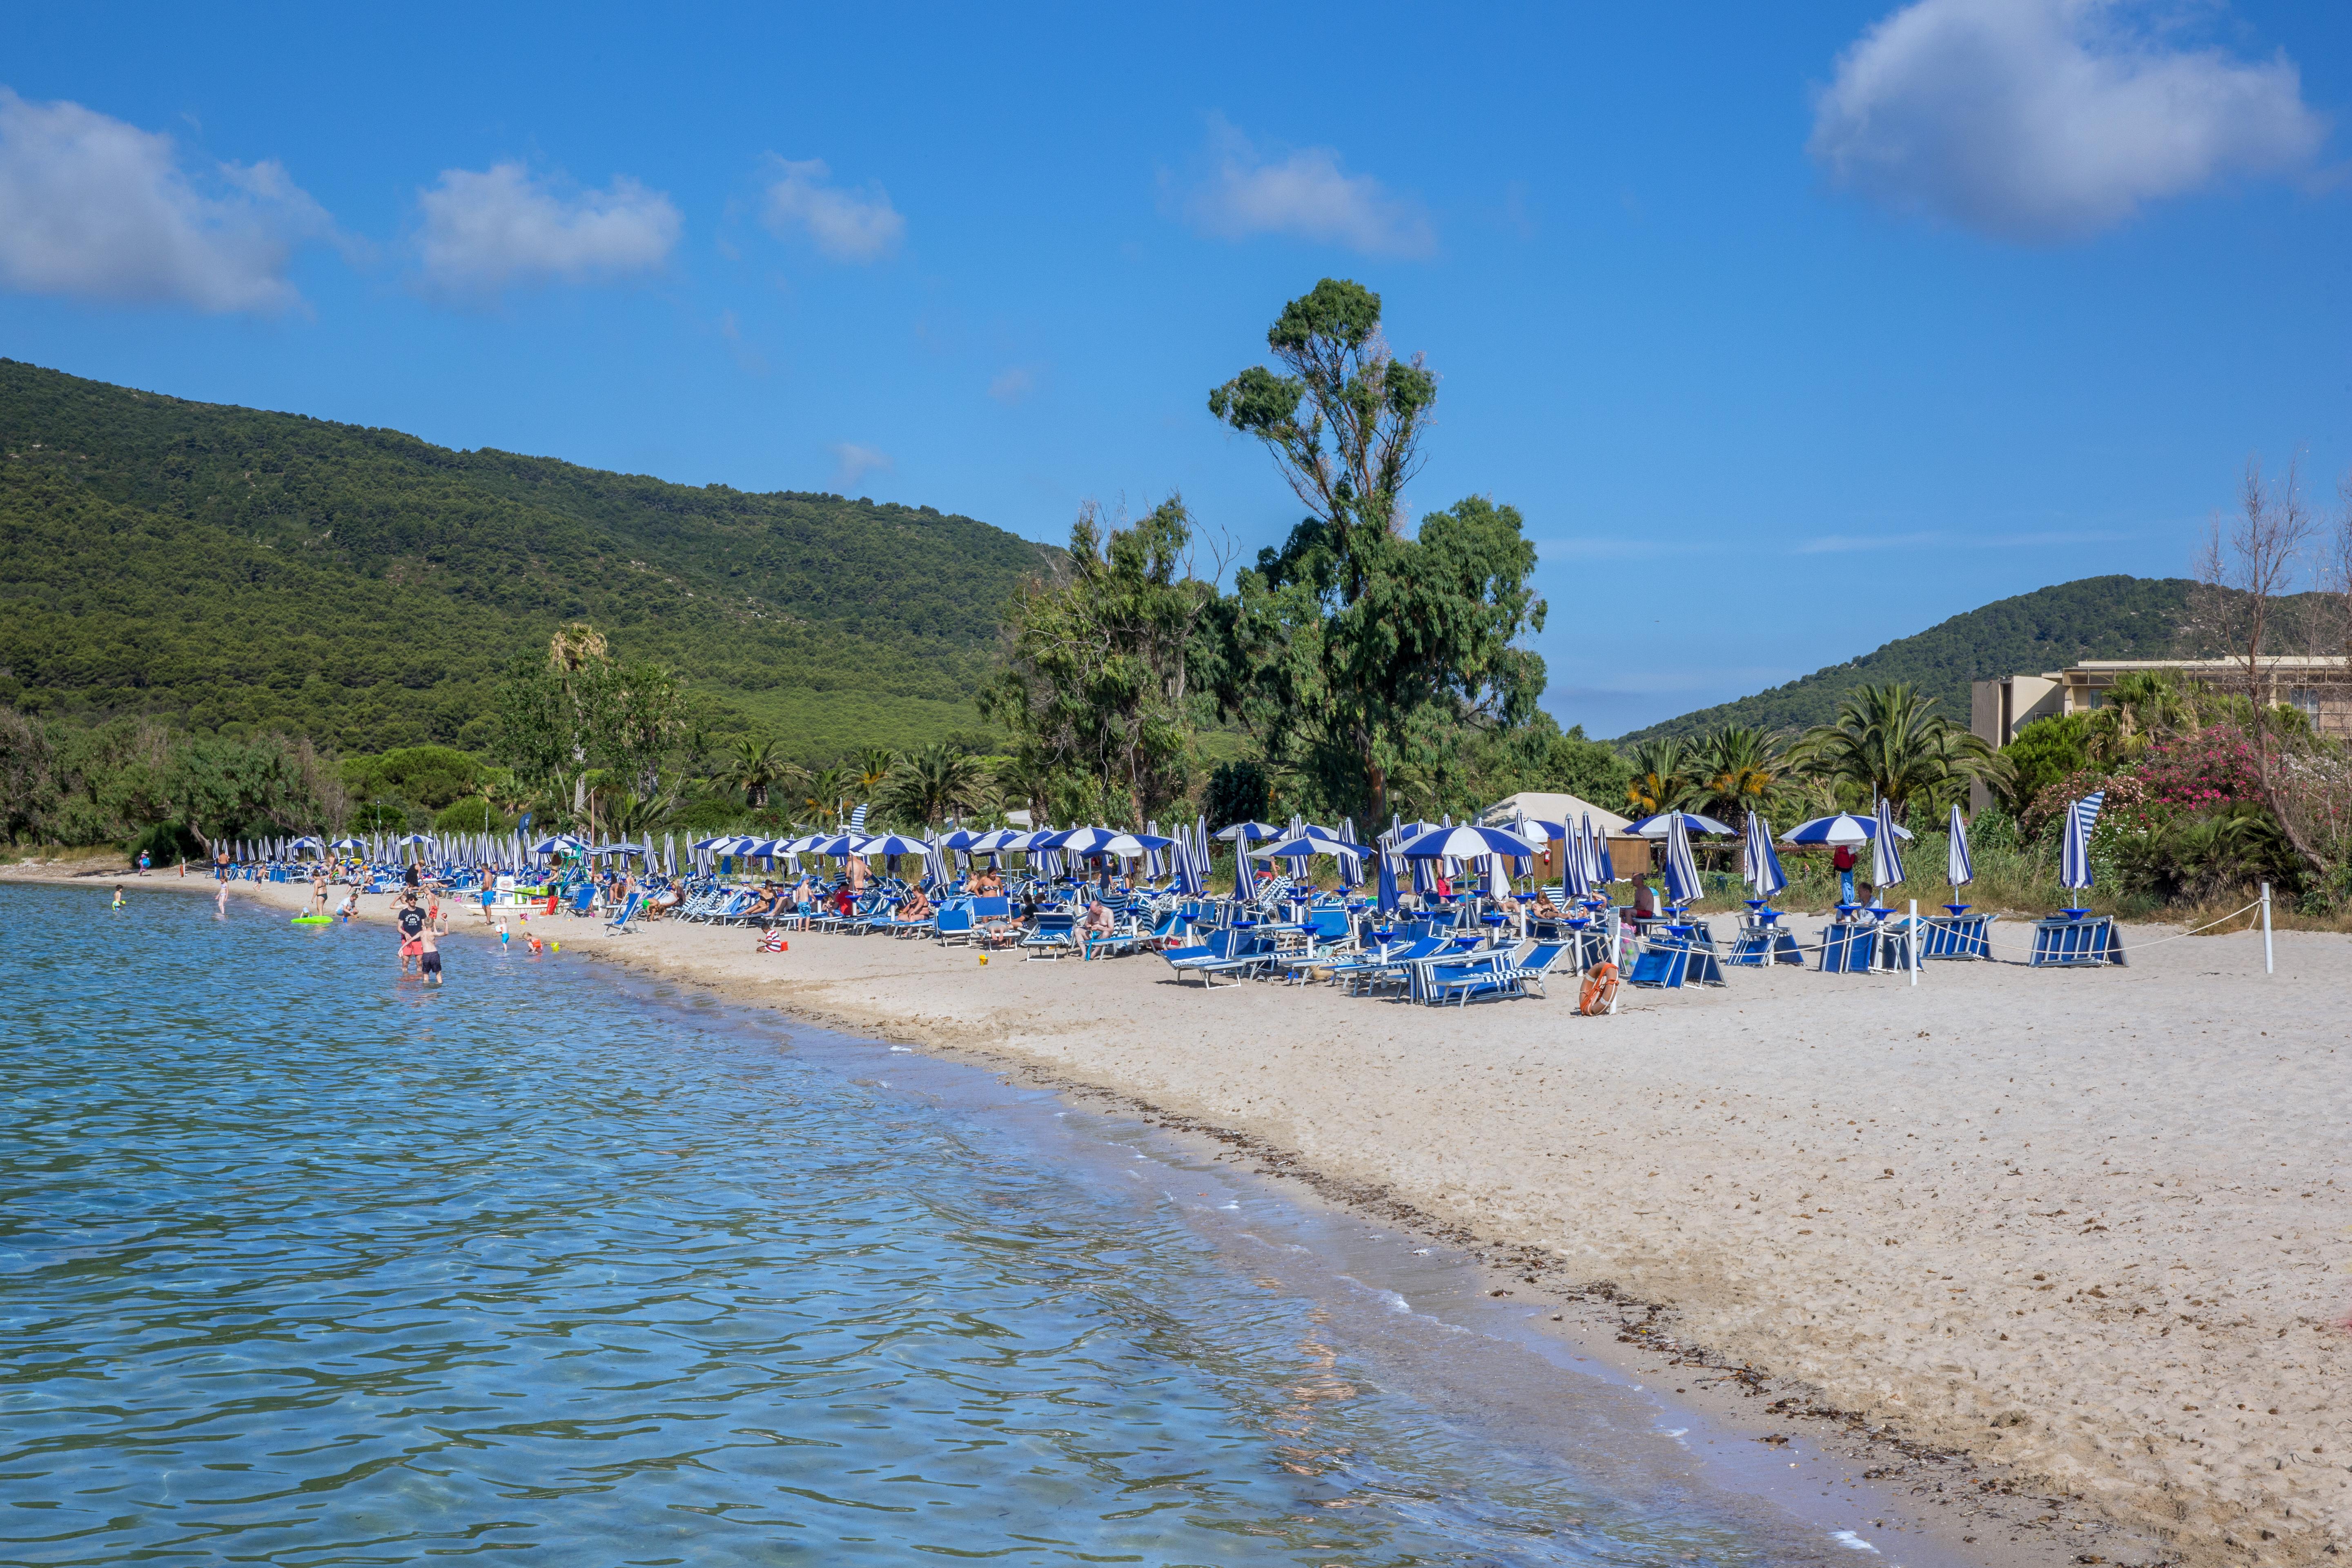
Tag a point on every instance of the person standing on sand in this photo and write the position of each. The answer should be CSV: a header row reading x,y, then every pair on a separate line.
x,y
1844,861
143,862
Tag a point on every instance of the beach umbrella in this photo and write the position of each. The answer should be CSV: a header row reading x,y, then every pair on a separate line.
x,y
2074,853
1191,874
892,844
1843,828
935,861
1885,862
1384,895
1351,863
1255,832
1575,864
1242,878
348,843
1301,848
1464,842
1682,871
1958,868
1656,826
1760,863
1601,849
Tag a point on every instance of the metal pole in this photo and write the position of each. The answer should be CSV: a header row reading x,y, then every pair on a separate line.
x,y
1913,934
2268,967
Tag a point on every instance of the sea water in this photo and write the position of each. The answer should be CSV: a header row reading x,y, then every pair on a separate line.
x,y
302,1263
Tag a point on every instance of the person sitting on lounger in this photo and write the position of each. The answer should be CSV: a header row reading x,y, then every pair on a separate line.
x,y
1646,900
1542,908
916,907
1095,922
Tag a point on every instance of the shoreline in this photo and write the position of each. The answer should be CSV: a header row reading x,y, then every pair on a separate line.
x,y
1652,1176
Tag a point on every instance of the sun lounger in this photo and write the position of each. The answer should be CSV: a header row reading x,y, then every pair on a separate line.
x,y
1227,951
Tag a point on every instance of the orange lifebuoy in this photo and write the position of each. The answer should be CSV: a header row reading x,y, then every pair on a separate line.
x,y
1600,992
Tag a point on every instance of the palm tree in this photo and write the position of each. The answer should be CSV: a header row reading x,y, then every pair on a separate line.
x,y
756,765
2140,705
936,782
1660,777
1885,742
821,795
1732,770
873,768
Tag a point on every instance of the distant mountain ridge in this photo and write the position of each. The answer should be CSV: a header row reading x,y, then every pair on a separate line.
x,y
220,566
2092,617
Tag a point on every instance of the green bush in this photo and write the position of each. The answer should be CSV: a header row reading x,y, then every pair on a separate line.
x,y
471,814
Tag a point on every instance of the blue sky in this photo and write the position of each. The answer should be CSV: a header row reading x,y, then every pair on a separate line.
x,y
1790,329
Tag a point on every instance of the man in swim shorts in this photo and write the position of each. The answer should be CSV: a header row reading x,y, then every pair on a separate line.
x,y
412,922
428,956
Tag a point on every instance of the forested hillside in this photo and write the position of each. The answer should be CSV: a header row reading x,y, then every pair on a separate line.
x,y
218,566
2093,617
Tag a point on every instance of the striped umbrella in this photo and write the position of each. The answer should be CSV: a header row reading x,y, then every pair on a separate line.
x,y
1575,863
2074,854
1608,868
1385,895
857,819
1352,866
1682,871
1886,861
1760,863
1958,868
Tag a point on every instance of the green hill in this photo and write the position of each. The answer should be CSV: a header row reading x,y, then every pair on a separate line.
x,y
220,566
2096,618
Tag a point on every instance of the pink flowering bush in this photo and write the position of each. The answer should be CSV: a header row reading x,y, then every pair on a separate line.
x,y
2195,774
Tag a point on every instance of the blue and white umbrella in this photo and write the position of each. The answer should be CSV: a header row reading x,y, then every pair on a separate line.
x,y
1958,870
1656,826
2074,853
1608,866
1242,888
1760,863
1885,862
1682,871
348,843
1575,864
1351,864
1843,828
891,844
1191,876
1464,841
1385,895
560,844
1255,832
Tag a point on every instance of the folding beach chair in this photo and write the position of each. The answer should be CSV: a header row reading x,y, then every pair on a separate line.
x,y
619,925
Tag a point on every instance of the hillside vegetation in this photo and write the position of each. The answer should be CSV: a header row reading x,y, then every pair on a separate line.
x,y
2093,617
220,567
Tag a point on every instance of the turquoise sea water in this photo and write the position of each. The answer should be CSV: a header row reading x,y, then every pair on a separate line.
x,y
300,1264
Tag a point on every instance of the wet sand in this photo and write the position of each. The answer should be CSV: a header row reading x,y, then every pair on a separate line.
x,y
2087,1229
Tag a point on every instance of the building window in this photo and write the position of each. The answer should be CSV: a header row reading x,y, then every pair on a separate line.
x,y
2306,697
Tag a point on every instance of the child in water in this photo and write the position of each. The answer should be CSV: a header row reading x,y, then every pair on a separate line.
x,y
430,959
118,895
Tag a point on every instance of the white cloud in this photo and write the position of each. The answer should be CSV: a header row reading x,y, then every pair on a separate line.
x,y
1012,384
855,462
1846,544
846,225
2041,120
486,230
1306,195
97,209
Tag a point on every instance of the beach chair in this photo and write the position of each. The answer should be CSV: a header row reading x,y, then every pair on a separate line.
x,y
1227,951
619,925
1054,935
1533,966
585,901
953,925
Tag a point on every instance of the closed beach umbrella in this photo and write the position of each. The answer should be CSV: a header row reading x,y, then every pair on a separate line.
x,y
1760,863
1241,870
1885,863
1575,864
1957,869
2074,853
1608,868
1682,871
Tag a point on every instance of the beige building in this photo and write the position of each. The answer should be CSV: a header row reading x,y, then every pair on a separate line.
x,y
2318,684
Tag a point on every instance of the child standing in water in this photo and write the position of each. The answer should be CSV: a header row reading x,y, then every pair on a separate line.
x,y
430,959
118,895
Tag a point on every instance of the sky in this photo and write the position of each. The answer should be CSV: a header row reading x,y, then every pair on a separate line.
x,y
1788,329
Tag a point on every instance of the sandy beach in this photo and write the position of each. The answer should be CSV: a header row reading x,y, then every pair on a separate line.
x,y
2087,1228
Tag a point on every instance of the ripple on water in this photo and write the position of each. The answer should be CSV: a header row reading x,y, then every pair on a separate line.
x,y
301,1265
